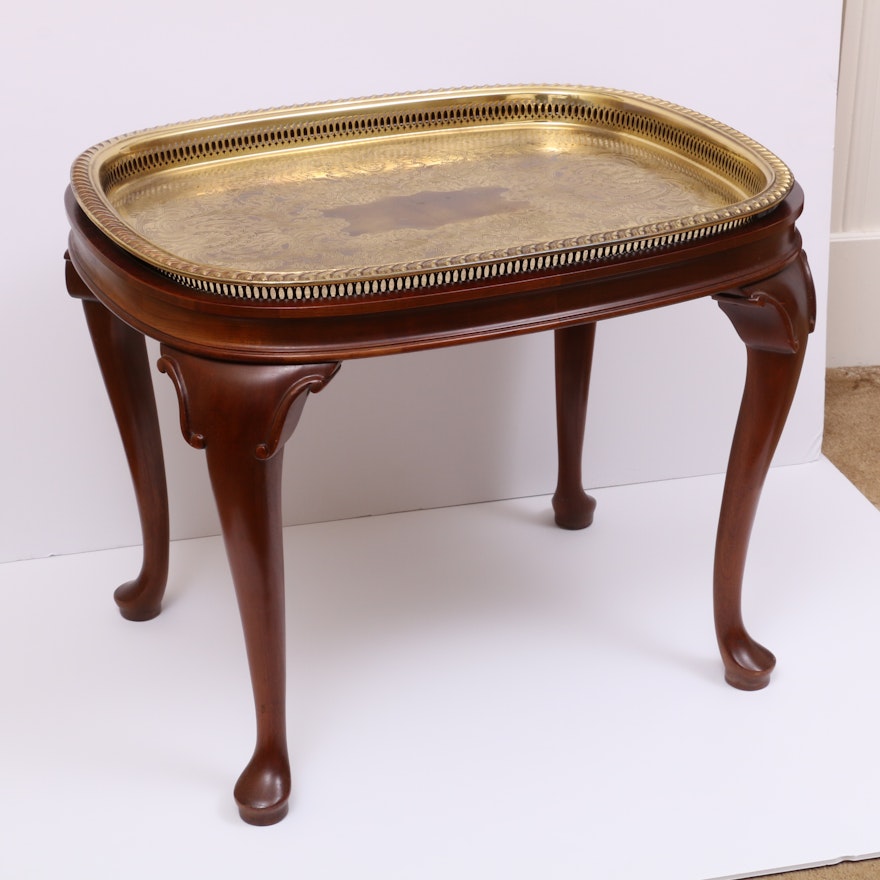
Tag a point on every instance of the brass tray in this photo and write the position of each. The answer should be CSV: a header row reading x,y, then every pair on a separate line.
x,y
403,192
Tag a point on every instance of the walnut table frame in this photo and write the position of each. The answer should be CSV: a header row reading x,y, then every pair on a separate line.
x,y
243,370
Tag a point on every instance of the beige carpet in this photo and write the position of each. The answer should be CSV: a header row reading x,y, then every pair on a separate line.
x,y
852,426
868,870
852,443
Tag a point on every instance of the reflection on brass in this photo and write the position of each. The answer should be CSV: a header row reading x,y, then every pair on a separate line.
x,y
413,191
425,210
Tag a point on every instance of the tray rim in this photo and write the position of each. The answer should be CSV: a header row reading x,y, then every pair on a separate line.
x,y
89,190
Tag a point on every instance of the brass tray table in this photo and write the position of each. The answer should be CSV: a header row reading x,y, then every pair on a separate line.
x,y
263,249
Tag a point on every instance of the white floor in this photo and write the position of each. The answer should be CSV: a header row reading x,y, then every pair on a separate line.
x,y
473,694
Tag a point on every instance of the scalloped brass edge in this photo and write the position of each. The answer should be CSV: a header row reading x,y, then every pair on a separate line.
x,y
89,176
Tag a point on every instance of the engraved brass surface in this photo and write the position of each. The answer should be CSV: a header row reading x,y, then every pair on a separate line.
x,y
413,191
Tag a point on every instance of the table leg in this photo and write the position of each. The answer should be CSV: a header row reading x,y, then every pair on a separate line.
x,y
572,506
241,415
773,318
122,356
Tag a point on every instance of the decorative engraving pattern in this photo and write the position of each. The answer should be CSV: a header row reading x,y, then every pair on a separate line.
x,y
388,195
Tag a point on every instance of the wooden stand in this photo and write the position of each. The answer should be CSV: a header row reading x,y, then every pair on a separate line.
x,y
243,371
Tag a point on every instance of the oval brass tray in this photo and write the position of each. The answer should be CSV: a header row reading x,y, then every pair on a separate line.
x,y
405,192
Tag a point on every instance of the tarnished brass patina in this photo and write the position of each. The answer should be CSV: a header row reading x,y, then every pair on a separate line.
x,y
412,191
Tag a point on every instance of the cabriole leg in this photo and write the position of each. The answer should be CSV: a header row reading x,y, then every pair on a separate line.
x,y
241,415
122,357
773,319
572,506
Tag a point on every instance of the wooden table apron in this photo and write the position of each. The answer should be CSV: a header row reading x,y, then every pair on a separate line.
x,y
243,370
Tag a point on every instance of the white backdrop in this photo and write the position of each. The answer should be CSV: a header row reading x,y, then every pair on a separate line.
x,y
432,429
